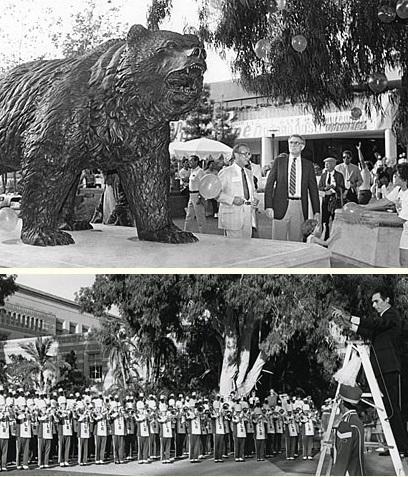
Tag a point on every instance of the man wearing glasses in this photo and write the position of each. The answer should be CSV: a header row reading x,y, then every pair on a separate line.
x,y
352,177
290,182
237,195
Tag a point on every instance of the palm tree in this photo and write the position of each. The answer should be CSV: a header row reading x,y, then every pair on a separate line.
x,y
40,361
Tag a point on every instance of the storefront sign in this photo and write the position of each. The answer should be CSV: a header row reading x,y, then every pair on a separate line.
x,y
286,125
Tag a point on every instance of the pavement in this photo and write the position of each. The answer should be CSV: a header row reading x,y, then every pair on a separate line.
x,y
264,233
375,466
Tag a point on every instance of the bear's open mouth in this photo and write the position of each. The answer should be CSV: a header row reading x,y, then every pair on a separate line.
x,y
187,80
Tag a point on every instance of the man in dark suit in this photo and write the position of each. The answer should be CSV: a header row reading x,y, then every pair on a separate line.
x,y
384,333
287,190
332,185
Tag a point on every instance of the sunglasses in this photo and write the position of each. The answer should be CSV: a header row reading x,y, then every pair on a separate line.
x,y
295,143
246,154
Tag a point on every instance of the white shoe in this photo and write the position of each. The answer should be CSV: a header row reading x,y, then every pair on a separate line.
x,y
215,216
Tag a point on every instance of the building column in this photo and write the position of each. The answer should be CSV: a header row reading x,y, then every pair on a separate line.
x,y
267,152
65,327
390,144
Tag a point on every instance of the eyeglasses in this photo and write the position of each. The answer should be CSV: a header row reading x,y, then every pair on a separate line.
x,y
246,153
346,157
295,143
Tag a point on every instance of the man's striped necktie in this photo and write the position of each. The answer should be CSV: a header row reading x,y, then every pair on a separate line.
x,y
292,178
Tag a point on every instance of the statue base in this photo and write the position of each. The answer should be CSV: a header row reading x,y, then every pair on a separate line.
x,y
118,247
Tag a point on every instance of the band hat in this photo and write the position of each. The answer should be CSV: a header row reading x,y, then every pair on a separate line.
x,y
331,160
351,394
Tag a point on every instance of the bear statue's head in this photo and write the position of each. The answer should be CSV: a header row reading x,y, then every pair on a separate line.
x,y
168,67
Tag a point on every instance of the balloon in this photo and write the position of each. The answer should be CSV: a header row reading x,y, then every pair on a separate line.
x,y
190,30
356,113
377,82
271,6
210,186
352,212
402,8
386,13
217,4
299,43
262,49
8,219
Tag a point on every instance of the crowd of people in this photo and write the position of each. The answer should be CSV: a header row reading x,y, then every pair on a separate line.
x,y
42,429
293,185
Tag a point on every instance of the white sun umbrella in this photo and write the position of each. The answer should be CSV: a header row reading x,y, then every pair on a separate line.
x,y
202,147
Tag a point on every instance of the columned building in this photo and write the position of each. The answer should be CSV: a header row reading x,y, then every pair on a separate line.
x,y
29,314
265,126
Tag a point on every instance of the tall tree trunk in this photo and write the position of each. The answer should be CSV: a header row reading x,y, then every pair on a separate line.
x,y
229,362
245,349
252,376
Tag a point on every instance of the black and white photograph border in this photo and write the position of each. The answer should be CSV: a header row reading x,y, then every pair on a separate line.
x,y
204,349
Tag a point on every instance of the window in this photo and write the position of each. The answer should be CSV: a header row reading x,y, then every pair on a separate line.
x,y
85,329
72,328
58,327
95,372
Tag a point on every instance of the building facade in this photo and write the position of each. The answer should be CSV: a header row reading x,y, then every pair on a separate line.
x,y
265,126
29,314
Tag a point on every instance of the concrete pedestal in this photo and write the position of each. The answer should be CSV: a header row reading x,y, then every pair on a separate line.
x,y
373,243
117,247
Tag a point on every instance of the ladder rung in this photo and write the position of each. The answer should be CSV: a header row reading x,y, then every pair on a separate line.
x,y
377,444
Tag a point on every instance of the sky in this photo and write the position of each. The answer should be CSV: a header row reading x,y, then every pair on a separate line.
x,y
24,37
64,285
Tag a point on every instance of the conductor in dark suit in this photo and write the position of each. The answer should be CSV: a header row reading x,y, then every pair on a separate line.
x,y
384,333
332,185
290,181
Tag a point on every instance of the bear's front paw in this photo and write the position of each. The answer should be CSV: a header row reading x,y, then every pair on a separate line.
x,y
181,237
42,237
170,234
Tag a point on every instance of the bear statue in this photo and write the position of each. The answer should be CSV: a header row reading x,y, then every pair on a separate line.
x,y
108,109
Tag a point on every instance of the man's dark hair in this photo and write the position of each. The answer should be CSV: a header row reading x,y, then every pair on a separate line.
x,y
194,156
348,152
384,293
384,174
402,170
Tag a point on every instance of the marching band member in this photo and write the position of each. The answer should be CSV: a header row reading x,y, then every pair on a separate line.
x,y
154,429
65,432
100,418
45,421
219,429
238,420
270,431
142,433
117,417
291,433
250,429
84,433
195,433
6,416
259,421
277,416
23,434
181,429
307,432
130,423
165,420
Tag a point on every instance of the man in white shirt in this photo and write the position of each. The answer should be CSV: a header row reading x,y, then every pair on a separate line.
x,y
237,195
352,177
196,203
331,184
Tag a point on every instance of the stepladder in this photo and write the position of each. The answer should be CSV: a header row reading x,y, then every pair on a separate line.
x,y
375,399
